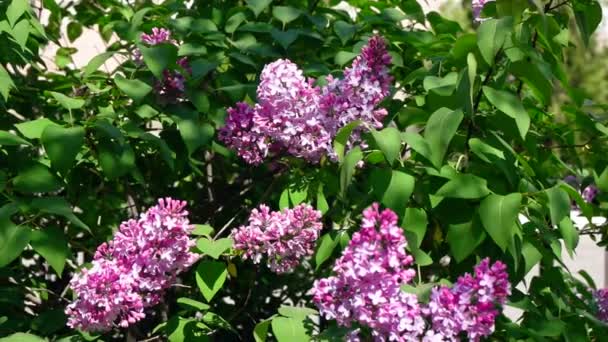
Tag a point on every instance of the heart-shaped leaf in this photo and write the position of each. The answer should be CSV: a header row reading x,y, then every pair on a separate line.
x,y
213,248
210,277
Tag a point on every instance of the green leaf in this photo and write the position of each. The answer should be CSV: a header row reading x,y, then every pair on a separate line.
x,y
443,86
322,204
588,16
63,57
509,104
285,14
67,102
389,142
58,206
439,131
559,204
9,139
159,57
74,30
178,329
284,199
194,133
116,159
202,229
15,10
258,6
602,180
22,337
289,329
191,303
96,62
422,291
216,321
347,169
342,139
499,216
569,234
466,186
343,57
418,144
13,239
285,38
393,188
210,277
135,89
191,49
6,83
189,24
51,243
326,247
547,327
464,238
234,22
345,31
531,256
421,258
297,194
214,248
260,332
146,111
36,178
296,311
414,224
21,32
491,36
485,151
201,67
532,77
33,129
62,145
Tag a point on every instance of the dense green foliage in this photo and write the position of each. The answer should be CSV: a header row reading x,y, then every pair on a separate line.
x,y
485,124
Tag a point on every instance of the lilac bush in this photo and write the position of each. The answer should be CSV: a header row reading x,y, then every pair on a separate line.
x,y
281,123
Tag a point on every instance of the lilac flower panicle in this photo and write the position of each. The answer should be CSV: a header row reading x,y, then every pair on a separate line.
x,y
251,146
477,6
366,285
366,289
284,237
600,297
171,88
589,193
158,36
472,304
297,118
131,272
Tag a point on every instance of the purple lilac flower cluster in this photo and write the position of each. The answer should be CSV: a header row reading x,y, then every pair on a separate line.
x,y
589,193
600,298
293,116
284,237
477,6
366,289
130,272
366,286
471,305
172,86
